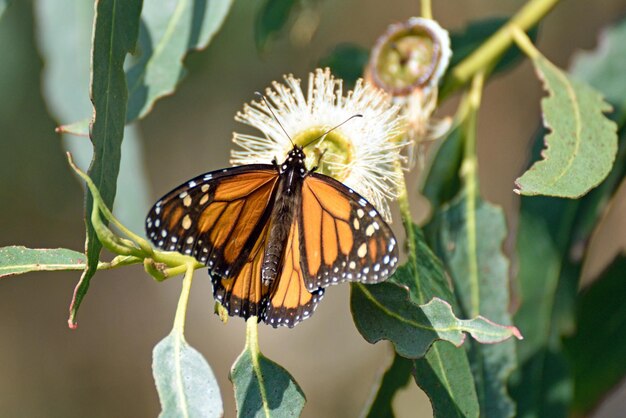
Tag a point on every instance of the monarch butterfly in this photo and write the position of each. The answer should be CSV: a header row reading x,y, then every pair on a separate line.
x,y
274,236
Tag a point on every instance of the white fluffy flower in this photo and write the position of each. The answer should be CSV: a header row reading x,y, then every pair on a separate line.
x,y
362,153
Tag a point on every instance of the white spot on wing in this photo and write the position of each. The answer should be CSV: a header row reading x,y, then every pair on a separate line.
x,y
362,250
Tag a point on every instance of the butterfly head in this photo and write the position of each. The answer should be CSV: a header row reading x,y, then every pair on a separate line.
x,y
295,161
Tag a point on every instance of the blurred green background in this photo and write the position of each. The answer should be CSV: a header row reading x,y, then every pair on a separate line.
x,y
103,368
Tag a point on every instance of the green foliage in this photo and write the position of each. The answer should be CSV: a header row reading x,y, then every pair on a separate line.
x,y
442,181
66,91
347,61
548,291
115,34
271,19
167,33
582,142
264,388
597,349
18,260
184,380
603,68
396,377
444,373
386,313
471,238
465,42
468,234
555,231
419,310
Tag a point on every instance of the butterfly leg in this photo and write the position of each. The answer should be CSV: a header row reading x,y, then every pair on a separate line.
x,y
319,161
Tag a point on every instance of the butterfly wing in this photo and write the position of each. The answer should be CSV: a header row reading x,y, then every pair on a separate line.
x,y
342,236
243,293
217,217
290,301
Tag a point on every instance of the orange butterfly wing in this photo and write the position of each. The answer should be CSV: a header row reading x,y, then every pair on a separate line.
x,y
290,301
342,236
217,217
243,294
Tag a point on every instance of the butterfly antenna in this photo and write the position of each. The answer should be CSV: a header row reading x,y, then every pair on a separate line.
x,y
274,115
358,115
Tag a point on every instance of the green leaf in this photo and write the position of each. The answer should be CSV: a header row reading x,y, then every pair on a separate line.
x,y
472,234
394,379
168,32
603,68
264,388
597,349
18,260
388,314
346,61
449,388
271,19
184,380
66,91
445,376
115,35
582,143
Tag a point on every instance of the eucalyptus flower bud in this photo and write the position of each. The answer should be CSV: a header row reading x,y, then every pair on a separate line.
x,y
410,56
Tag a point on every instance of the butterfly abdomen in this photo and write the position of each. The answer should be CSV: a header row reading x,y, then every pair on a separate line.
x,y
287,203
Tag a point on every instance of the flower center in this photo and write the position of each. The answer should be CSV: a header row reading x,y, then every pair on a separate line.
x,y
337,150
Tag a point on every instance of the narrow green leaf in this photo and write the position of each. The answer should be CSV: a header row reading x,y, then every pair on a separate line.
x,y
271,19
582,143
168,32
597,349
18,260
346,61
394,379
64,30
603,68
184,380
115,35
472,236
449,388
264,388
